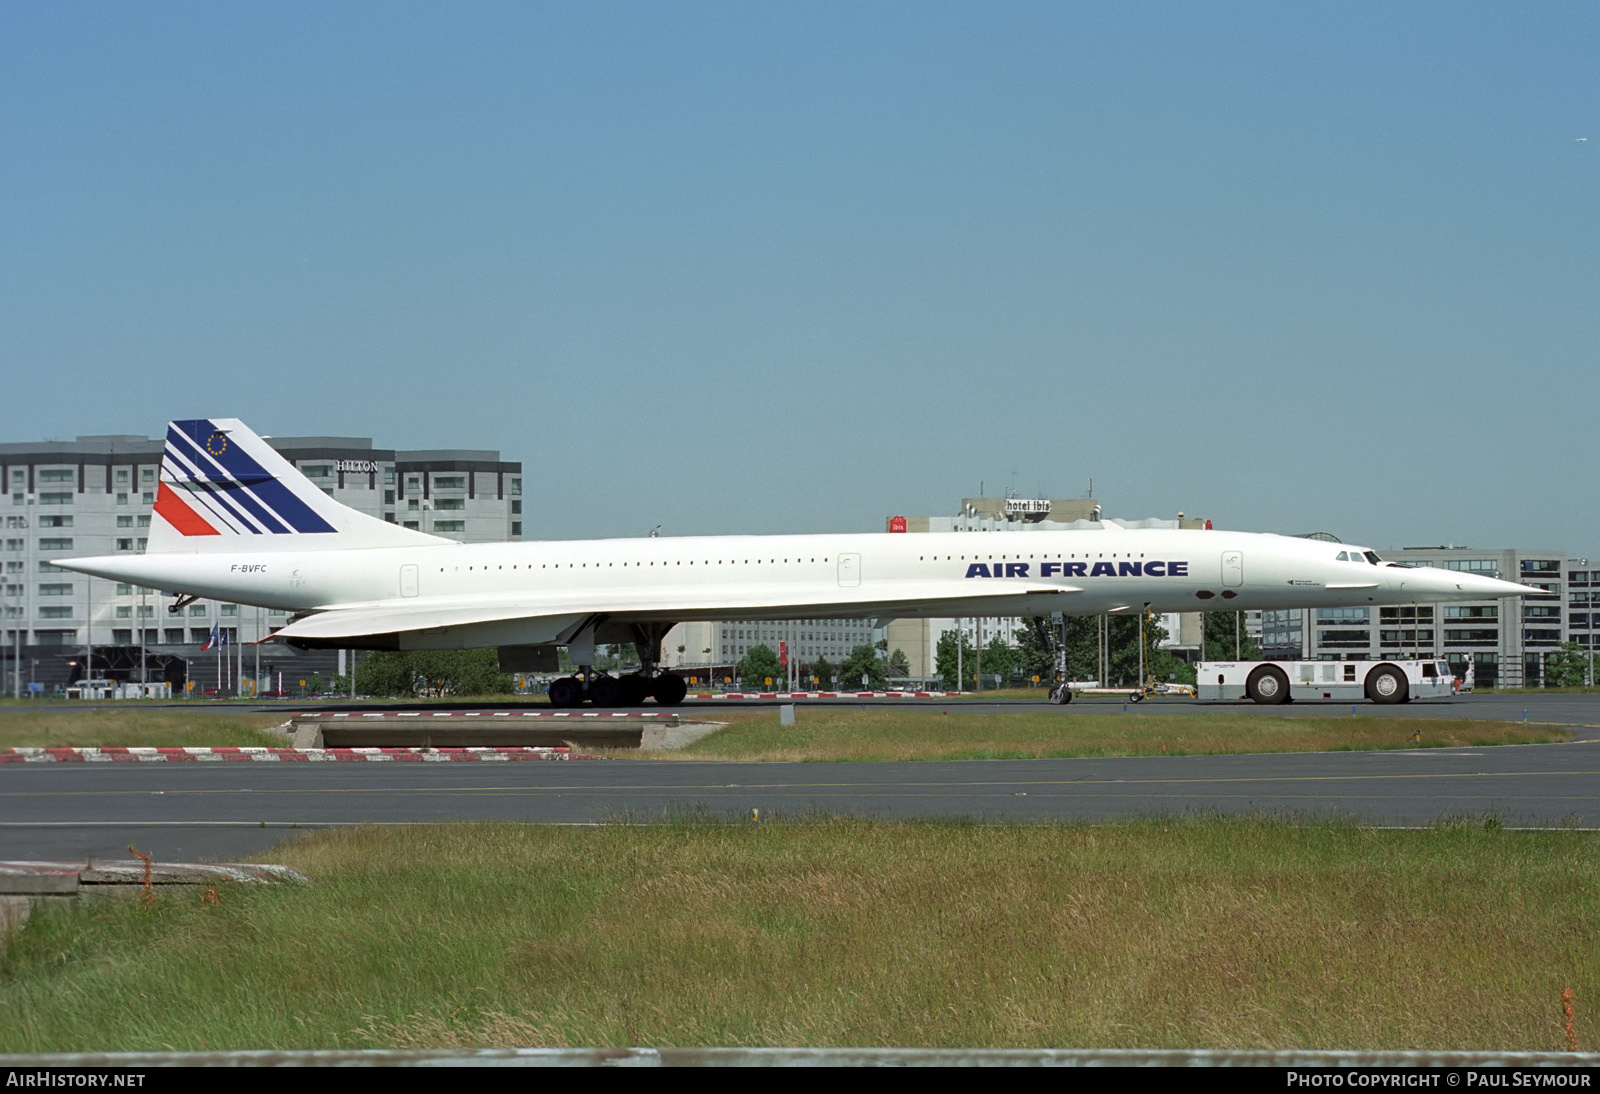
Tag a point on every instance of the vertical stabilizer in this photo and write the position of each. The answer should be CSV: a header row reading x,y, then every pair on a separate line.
x,y
224,489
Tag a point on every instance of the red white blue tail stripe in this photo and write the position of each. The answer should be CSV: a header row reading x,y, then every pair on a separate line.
x,y
211,486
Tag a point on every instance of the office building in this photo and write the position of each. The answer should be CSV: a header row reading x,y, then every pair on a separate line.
x,y
93,496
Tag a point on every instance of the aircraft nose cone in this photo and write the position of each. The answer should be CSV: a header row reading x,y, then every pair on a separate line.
x,y
1460,585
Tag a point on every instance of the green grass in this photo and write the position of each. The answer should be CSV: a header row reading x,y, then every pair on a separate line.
x,y
1204,933
937,733
850,733
134,727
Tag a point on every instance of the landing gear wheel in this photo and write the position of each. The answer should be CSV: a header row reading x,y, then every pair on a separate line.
x,y
1268,686
1387,684
669,689
566,692
605,691
635,689
1061,696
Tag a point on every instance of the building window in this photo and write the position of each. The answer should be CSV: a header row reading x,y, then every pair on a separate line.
x,y
316,470
1485,566
228,609
57,475
122,476
122,636
172,636
55,522
63,612
388,497
61,497
411,524
197,609
124,611
147,474
124,544
516,486
122,499
449,482
199,635
1344,639
449,526
63,588
125,522
58,543
452,505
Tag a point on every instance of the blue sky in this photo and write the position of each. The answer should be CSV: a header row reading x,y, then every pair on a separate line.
x,y
792,267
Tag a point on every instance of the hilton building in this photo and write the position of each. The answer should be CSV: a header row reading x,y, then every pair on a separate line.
x,y
93,496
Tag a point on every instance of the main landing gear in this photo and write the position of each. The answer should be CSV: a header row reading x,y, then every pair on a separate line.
x,y
668,689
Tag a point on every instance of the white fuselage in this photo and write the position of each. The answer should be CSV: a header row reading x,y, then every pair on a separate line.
x,y
807,576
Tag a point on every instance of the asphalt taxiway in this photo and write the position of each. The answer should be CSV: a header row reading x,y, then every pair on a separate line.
x,y
215,811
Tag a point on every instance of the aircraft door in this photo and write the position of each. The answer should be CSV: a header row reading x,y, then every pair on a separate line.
x,y
1232,569
408,580
849,571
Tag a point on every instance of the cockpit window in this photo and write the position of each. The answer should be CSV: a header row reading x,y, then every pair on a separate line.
x,y
1373,558
1344,556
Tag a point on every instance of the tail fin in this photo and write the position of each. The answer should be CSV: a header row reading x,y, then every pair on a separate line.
x,y
224,489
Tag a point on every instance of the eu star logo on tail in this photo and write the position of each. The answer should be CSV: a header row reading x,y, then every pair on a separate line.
x,y
223,488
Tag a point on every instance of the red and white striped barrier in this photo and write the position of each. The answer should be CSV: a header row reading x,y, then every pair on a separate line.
x,y
278,755
479,714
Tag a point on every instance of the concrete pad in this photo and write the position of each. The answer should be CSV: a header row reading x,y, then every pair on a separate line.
x,y
665,738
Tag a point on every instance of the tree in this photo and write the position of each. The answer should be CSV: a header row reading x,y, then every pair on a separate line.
x,y
759,665
1564,668
392,673
944,658
863,661
1033,656
822,669
1220,631
999,659
899,663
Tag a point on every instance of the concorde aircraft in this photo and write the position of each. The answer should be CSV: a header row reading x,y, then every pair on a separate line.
x,y
235,521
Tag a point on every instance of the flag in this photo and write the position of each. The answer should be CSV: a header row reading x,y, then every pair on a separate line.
x,y
215,640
